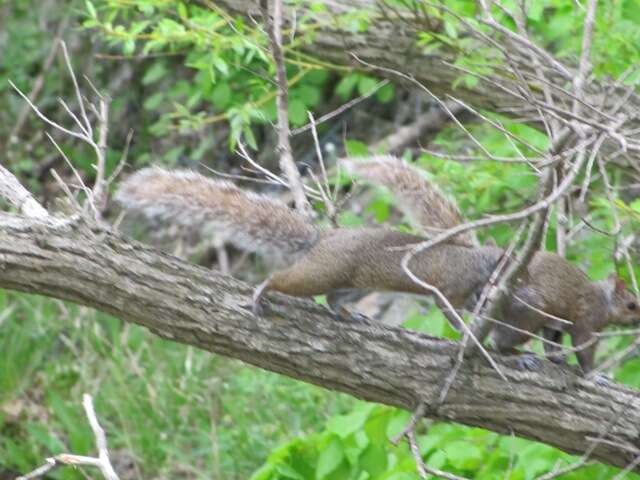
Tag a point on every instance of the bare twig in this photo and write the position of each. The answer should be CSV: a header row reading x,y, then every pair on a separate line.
x,y
341,108
96,197
411,425
39,82
287,165
405,135
101,462
584,65
423,469
323,187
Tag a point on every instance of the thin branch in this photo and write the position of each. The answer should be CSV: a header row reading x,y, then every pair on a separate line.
x,y
423,469
76,88
101,438
39,82
341,108
44,118
584,65
287,164
101,462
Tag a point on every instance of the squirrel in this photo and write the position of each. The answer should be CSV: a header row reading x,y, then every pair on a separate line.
x,y
322,260
552,290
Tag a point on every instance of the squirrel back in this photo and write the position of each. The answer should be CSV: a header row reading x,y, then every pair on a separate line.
x,y
251,221
420,199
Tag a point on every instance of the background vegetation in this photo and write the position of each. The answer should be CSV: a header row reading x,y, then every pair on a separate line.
x,y
191,82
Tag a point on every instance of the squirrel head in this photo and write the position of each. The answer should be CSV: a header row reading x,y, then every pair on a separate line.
x,y
624,308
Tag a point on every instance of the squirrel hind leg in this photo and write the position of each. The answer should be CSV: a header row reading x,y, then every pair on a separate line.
x,y
553,345
337,300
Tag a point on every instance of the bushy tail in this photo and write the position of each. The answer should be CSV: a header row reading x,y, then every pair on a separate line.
x,y
420,199
251,221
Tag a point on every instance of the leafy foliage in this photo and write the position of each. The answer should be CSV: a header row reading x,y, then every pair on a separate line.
x,y
173,410
197,82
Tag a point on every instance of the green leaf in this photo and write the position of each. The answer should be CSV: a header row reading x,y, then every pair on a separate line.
x,y
297,112
91,9
463,455
317,77
182,11
330,458
376,426
402,476
386,93
397,423
450,28
356,148
374,459
155,73
309,95
266,472
154,101
129,46
221,65
366,85
221,95
288,472
345,86
249,137
345,425
631,10
535,11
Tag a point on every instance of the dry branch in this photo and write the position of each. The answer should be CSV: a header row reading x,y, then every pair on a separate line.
x,y
287,164
390,42
101,462
393,366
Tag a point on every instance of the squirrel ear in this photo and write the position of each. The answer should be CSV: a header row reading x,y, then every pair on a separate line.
x,y
618,284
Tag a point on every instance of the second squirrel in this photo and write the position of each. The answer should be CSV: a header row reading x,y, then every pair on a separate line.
x,y
553,289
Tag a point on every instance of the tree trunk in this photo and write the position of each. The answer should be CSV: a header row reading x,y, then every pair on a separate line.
x,y
394,366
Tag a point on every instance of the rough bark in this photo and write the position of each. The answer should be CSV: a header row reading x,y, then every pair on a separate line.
x,y
394,366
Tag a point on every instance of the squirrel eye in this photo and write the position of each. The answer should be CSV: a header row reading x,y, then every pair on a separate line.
x,y
631,305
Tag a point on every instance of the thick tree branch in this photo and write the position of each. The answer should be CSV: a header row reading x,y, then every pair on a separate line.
x,y
390,42
394,366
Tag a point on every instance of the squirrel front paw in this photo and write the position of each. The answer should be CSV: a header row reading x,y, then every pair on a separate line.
x,y
257,308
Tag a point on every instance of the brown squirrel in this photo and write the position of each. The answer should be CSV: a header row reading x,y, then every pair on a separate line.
x,y
323,261
553,288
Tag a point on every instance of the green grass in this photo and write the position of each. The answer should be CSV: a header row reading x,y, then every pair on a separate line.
x,y
177,412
